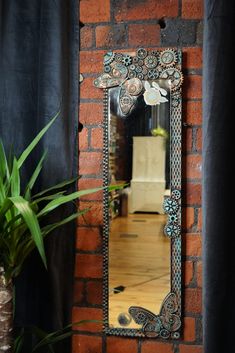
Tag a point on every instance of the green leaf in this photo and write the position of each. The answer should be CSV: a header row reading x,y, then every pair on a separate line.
x,y
34,176
18,343
60,335
12,224
27,245
49,228
51,340
46,198
10,159
31,220
117,186
15,179
67,198
4,210
2,192
57,186
35,141
4,171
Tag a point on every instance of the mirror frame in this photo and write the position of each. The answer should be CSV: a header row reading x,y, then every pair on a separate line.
x,y
167,323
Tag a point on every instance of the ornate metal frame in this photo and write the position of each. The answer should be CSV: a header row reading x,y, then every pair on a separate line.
x,y
118,69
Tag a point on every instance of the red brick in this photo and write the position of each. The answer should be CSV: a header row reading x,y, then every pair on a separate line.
x,y
199,140
153,346
95,214
192,87
187,140
87,344
192,9
121,345
78,292
91,113
91,61
86,37
190,349
193,166
90,163
193,194
92,11
125,10
83,139
88,239
97,138
188,219
110,36
129,51
192,58
89,91
192,245
189,329
94,292
144,35
199,223
192,112
90,266
193,300
91,184
199,273
91,314
188,272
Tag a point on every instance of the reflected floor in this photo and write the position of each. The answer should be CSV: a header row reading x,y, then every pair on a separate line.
x,y
139,264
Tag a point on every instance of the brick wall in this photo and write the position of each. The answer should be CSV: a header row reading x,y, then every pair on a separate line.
x,y
126,25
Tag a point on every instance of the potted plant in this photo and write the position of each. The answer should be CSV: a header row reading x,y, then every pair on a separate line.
x,y
21,226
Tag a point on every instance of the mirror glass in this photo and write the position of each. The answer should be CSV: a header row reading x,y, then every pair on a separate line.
x,y
139,251
142,195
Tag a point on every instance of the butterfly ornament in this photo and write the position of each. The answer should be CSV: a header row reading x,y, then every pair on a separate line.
x,y
163,325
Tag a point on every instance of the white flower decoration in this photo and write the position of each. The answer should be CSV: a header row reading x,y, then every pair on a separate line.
x,y
154,95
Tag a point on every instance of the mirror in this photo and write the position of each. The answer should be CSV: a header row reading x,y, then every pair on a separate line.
x,y
142,219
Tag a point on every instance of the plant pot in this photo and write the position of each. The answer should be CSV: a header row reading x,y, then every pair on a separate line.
x,y
6,314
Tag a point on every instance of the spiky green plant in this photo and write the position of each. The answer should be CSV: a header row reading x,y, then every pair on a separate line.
x,y
46,342
21,224
21,214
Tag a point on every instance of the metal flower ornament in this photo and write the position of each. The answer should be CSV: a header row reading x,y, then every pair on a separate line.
x,y
154,95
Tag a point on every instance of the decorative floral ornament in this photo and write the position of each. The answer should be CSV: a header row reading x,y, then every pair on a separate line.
x,y
154,95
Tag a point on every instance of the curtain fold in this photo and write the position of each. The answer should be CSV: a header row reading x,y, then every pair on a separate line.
x,y
218,233
38,77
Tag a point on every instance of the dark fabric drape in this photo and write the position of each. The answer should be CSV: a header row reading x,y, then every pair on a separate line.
x,y
218,121
38,76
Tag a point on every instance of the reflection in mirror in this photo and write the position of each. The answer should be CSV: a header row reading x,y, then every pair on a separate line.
x,y
142,221
139,251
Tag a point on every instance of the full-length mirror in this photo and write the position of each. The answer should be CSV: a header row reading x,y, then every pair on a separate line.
x,y
142,218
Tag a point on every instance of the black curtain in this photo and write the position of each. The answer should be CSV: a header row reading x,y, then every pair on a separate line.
x,y
218,175
38,77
